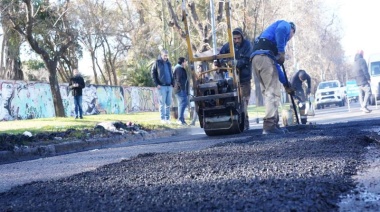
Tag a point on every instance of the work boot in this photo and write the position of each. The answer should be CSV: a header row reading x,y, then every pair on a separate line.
x,y
283,129
270,126
273,131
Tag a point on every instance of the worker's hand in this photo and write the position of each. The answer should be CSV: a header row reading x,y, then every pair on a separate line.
x,y
217,63
280,58
289,90
308,91
233,62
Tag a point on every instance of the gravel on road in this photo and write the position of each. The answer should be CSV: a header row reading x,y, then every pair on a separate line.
x,y
309,169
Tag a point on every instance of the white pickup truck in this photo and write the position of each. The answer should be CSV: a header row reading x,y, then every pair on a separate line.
x,y
330,93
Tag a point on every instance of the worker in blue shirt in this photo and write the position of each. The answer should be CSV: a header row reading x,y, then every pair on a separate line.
x,y
267,57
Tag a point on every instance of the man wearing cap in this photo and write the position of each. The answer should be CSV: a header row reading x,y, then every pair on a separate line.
x,y
298,78
363,80
243,50
267,58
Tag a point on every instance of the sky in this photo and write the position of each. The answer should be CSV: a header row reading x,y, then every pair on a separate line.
x,y
360,24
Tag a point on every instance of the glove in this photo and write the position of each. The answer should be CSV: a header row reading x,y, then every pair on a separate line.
x,y
217,63
280,58
289,90
233,62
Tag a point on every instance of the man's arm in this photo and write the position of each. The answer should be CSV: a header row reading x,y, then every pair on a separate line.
x,y
281,40
81,83
244,58
364,67
154,73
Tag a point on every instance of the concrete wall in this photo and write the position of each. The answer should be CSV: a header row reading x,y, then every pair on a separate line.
x,y
28,100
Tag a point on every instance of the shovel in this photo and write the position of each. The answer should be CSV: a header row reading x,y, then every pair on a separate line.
x,y
291,96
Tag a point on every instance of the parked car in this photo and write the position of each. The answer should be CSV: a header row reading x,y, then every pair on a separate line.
x,y
374,72
330,93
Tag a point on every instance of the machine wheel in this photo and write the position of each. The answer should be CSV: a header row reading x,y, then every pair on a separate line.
x,y
235,129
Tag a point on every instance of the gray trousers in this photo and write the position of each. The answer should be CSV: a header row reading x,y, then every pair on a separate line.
x,y
266,71
364,94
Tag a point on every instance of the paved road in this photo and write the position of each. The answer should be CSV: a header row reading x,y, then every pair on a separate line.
x,y
336,114
66,165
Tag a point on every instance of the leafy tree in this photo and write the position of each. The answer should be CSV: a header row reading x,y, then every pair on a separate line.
x,y
104,30
138,74
46,28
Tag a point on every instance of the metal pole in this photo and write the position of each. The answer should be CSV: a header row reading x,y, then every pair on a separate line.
x,y
213,27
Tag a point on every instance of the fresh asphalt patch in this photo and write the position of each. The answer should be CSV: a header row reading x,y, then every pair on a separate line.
x,y
311,168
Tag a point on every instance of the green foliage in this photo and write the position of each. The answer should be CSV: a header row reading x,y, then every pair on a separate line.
x,y
138,74
34,64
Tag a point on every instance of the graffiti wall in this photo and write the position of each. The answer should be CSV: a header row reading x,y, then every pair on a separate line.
x,y
140,99
23,100
28,100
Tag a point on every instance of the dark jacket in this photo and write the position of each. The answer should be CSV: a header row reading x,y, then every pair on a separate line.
x,y
242,55
296,82
77,91
180,79
361,70
158,72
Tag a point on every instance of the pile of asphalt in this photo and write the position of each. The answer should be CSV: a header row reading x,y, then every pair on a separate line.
x,y
308,169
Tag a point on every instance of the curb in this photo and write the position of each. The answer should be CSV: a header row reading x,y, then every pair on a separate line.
x,y
29,153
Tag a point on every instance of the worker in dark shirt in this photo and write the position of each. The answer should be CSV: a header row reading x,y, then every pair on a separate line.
x,y
297,84
298,78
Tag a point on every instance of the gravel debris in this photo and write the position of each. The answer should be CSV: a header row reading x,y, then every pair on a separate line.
x,y
308,169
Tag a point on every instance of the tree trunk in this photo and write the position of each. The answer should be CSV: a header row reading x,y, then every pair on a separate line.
x,y
12,54
54,86
94,67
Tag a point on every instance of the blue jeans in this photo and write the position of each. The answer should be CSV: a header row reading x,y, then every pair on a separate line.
x,y
182,104
165,101
78,106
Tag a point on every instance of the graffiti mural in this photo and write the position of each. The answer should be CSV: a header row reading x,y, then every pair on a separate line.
x,y
140,99
29,100
23,100
111,99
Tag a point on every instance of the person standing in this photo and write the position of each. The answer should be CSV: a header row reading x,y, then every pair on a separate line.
x,y
181,88
297,81
76,85
363,80
162,76
198,72
268,55
243,50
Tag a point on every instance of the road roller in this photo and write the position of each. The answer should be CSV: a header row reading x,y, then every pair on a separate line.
x,y
217,94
